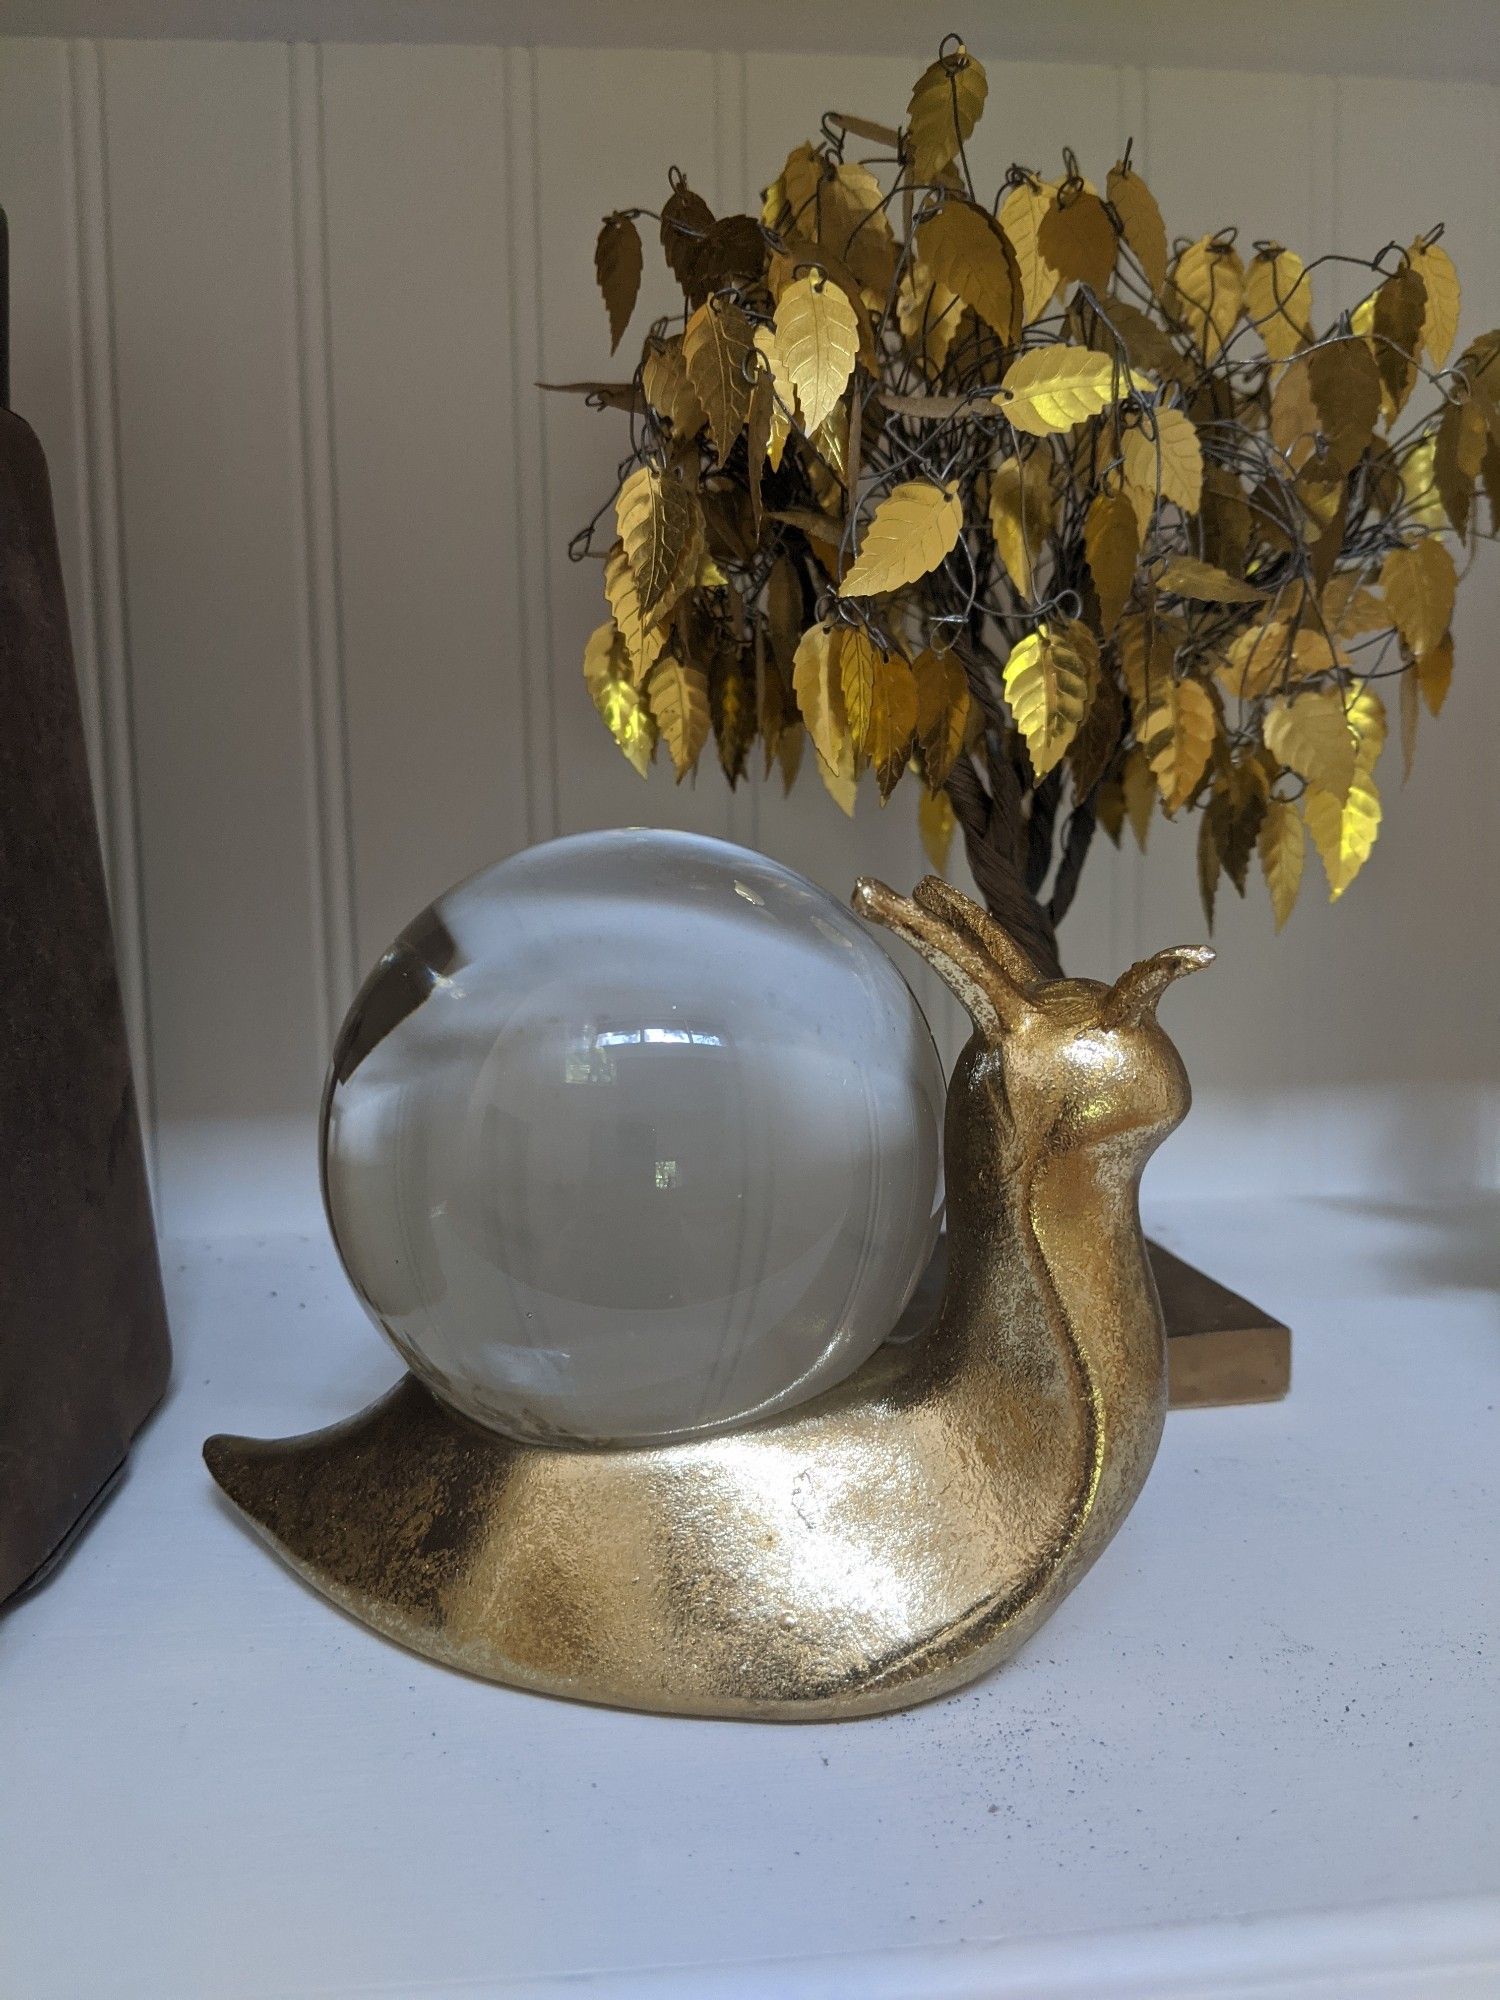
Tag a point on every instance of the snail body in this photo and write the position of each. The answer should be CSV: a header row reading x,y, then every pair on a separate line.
x,y
877,1544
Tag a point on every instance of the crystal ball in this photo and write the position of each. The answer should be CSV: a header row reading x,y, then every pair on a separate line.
x,y
631,1137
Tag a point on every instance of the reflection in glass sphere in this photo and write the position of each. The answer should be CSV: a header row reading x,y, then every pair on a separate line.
x,y
634,1135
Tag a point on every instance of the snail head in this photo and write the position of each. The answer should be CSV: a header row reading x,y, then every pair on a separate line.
x,y
1078,1055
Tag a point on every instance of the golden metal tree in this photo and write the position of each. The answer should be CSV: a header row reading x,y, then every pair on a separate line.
x,y
1072,524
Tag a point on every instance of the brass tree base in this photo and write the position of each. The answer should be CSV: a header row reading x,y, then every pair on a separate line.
x,y
1220,1348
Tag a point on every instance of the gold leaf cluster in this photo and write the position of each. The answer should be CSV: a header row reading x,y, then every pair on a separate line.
x,y
1015,492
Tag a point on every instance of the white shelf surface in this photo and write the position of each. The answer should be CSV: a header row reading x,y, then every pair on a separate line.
x,y
1255,1753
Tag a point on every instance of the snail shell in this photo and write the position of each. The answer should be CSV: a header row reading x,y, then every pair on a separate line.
x,y
634,1136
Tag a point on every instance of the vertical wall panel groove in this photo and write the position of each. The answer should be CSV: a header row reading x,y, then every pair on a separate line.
x,y
315,533
437,527
209,472
527,365
109,618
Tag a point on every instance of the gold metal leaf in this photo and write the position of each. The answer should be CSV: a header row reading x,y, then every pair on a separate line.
x,y
1139,790
1295,422
1411,716
758,427
828,462
1049,389
892,719
1316,652
798,260
820,696
965,249
1435,268
783,395
1258,659
1282,845
1208,291
784,612
1022,213
841,782
664,379
1077,238
1243,790
1419,490
789,751
1343,833
1178,733
1345,384
945,105
791,201
1185,576
859,665
661,527
1021,514
1396,331
817,339
1170,463
1147,346
943,707
1419,585
1145,647
1140,218
772,694
686,219
756,442
662,530
1366,718
1458,450
617,265
1278,298
1111,544
1344,828
1047,679
732,707
1209,821
733,257
1434,673
853,223
611,684
716,346
642,646
1093,750
1109,806
1352,609
912,530
678,697
1311,736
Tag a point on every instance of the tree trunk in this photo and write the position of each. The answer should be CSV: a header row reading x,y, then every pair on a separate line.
x,y
1009,836
995,839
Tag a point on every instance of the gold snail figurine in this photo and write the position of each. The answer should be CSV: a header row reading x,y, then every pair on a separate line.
x,y
880,1541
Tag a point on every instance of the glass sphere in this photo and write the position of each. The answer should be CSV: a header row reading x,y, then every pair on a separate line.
x,y
634,1136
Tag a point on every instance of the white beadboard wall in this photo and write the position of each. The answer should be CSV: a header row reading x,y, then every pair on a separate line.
x,y
279,310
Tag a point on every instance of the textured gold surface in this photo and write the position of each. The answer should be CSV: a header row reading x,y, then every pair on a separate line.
x,y
880,1545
